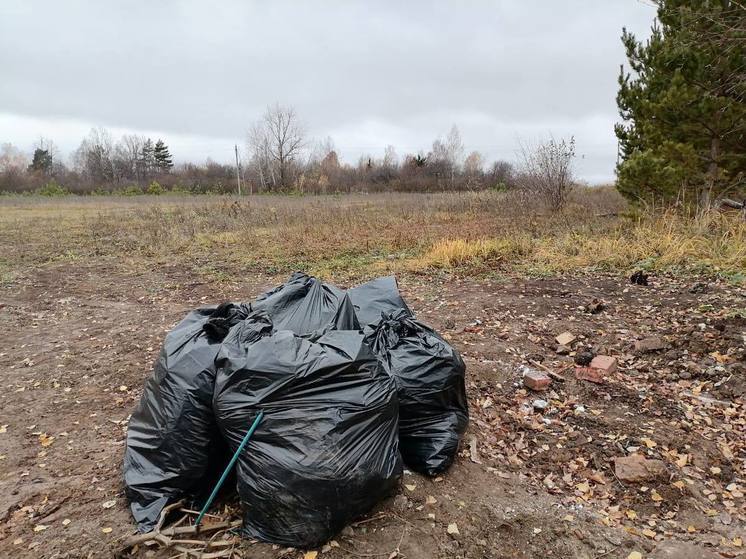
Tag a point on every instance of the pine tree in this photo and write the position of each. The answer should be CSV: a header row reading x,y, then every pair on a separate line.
x,y
162,157
147,159
684,104
42,161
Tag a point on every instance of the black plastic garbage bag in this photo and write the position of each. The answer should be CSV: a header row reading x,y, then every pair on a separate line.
x,y
172,438
377,296
429,374
326,449
307,306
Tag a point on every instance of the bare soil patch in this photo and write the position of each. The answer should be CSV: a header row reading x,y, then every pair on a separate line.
x,y
80,339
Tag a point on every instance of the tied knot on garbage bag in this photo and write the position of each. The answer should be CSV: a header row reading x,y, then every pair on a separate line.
x,y
340,408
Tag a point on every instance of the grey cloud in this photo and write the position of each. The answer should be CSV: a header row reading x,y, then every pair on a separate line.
x,y
206,69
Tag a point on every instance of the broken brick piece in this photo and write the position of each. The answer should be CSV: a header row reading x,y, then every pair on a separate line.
x,y
536,380
590,374
565,338
605,363
635,468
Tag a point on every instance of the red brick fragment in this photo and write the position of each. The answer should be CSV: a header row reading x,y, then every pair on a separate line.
x,y
605,363
536,380
590,374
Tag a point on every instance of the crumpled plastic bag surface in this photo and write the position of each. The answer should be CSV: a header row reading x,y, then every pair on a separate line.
x,y
429,374
326,450
172,437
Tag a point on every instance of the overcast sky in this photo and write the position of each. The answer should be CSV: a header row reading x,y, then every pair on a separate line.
x,y
367,74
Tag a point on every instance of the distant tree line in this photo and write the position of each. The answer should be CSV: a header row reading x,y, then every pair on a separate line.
x,y
132,164
280,158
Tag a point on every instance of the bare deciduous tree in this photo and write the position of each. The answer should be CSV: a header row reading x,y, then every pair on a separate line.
x,y
13,164
547,171
127,158
276,141
93,158
473,164
447,154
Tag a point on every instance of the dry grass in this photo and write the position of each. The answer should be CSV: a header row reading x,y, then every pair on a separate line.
x,y
713,244
360,235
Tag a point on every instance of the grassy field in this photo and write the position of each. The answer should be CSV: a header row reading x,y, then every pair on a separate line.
x,y
361,235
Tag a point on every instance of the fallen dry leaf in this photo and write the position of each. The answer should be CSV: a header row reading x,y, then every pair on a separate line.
x,y
310,555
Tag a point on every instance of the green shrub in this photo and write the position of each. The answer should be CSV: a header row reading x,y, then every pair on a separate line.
x,y
52,189
180,189
155,188
131,190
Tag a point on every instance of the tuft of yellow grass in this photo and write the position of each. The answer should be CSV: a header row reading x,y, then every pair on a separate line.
x,y
449,253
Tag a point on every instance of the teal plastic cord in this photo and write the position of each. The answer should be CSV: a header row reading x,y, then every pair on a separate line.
x,y
228,468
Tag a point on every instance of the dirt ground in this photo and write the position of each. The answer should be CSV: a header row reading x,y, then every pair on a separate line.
x,y
80,339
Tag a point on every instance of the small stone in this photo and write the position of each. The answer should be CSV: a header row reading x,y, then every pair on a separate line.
x,y
400,502
536,380
565,338
681,550
685,375
595,306
562,350
584,358
453,529
539,405
651,344
636,468
604,363
639,278
699,287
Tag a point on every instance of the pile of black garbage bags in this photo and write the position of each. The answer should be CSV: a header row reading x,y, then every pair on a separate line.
x,y
350,385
